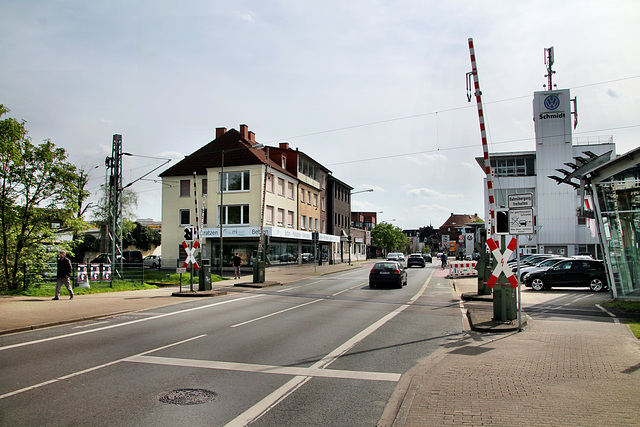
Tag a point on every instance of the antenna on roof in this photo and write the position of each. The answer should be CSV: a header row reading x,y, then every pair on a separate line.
x,y
548,60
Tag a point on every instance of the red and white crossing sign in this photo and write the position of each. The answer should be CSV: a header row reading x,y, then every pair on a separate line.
x,y
502,259
190,255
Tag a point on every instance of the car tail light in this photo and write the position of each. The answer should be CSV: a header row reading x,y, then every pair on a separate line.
x,y
372,271
396,272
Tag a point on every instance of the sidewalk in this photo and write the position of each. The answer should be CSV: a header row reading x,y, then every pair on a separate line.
x,y
553,373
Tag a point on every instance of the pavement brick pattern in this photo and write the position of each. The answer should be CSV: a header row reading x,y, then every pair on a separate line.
x,y
548,375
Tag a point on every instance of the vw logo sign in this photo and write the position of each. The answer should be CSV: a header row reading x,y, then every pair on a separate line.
x,y
551,102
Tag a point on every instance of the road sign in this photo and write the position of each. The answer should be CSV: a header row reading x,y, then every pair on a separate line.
x,y
520,221
188,234
502,259
190,255
524,200
181,270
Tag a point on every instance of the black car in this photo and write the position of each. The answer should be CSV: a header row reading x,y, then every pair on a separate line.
x,y
427,257
416,259
570,273
388,273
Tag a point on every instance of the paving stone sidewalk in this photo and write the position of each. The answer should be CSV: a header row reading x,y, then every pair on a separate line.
x,y
553,373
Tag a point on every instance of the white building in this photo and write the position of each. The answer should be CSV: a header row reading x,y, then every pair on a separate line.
x,y
558,228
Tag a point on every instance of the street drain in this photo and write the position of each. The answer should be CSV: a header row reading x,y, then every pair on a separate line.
x,y
188,396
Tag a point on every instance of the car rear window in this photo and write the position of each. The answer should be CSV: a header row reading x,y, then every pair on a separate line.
x,y
382,265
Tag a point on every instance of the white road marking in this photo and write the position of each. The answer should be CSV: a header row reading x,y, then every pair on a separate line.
x,y
94,368
615,318
276,313
89,331
269,402
266,369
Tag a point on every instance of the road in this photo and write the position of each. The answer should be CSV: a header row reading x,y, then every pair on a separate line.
x,y
325,351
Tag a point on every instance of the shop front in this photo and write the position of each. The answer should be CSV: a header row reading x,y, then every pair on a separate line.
x,y
283,246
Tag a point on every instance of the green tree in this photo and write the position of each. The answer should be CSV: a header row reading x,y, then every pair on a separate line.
x,y
39,188
389,237
143,237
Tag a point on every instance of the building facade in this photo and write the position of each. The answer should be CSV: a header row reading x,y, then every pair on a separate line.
x,y
239,193
558,229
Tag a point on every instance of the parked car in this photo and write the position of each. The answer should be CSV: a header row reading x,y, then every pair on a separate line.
x,y
388,273
570,273
152,261
539,266
416,259
132,257
307,257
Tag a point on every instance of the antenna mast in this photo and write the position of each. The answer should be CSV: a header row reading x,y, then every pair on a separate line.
x,y
548,61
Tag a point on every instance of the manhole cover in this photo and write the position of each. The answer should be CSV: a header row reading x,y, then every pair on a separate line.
x,y
188,396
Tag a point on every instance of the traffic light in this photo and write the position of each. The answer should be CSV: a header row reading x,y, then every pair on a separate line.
x,y
188,234
502,221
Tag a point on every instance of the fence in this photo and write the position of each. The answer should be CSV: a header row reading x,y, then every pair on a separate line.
x,y
462,268
84,275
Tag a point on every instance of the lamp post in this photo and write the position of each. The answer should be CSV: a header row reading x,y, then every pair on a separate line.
x,y
349,238
221,214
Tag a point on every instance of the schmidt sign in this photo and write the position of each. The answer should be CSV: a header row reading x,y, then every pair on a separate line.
x,y
551,103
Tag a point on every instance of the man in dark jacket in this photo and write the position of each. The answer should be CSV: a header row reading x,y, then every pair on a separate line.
x,y
64,272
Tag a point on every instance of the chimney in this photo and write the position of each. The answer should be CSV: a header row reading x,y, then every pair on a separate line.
x,y
244,131
284,145
252,136
220,132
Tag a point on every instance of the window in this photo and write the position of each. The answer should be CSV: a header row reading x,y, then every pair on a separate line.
x,y
236,215
290,190
269,183
205,186
236,181
316,227
268,214
280,216
284,162
185,185
185,217
303,222
280,187
315,200
309,197
290,216
204,216
513,167
322,204
301,196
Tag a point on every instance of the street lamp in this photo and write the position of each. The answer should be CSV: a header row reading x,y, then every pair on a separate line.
x,y
349,238
221,214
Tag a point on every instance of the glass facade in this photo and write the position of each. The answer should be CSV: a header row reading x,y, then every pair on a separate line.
x,y
619,207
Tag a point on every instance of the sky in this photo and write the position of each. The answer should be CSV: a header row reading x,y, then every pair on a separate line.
x,y
373,90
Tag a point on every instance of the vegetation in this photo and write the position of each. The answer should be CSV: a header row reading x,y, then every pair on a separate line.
x,y
39,195
389,237
152,280
630,311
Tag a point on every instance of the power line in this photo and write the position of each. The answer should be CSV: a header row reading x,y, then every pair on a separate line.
x,y
413,116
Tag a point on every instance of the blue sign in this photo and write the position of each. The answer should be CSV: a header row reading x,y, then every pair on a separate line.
x,y
551,102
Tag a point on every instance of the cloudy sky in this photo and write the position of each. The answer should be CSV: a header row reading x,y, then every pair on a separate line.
x,y
374,90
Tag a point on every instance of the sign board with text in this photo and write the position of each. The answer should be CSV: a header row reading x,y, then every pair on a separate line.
x,y
518,201
521,221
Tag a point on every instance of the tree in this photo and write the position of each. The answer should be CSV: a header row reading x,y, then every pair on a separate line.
x,y
143,237
38,188
389,237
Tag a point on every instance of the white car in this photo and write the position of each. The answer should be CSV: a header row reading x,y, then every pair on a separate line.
x,y
152,261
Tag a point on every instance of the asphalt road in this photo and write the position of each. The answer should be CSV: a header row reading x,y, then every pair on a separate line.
x,y
327,351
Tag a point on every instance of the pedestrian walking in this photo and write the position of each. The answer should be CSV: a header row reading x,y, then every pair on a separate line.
x,y
63,274
237,262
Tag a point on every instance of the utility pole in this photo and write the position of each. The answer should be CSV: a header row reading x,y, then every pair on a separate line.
x,y
114,165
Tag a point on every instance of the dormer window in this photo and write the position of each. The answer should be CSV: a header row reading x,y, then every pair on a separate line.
x,y
284,162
